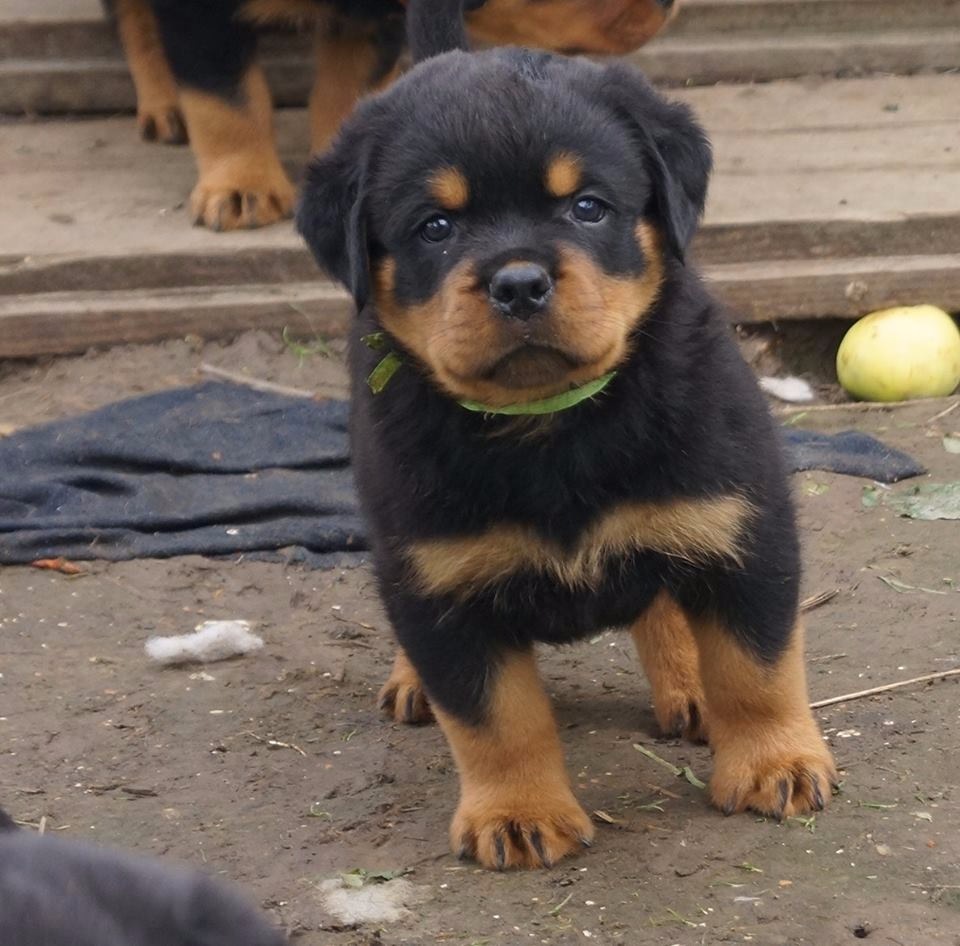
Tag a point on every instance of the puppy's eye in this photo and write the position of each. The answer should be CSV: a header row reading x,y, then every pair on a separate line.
x,y
589,209
436,229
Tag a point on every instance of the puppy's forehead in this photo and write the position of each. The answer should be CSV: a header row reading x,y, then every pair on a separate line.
x,y
489,132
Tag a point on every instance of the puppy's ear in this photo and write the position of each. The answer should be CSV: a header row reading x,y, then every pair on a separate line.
x,y
676,152
331,215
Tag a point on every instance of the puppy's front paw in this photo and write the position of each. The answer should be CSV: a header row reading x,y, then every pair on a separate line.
x,y
402,696
240,195
778,774
501,832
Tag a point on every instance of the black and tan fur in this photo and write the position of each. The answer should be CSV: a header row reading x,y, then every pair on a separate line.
x,y
515,224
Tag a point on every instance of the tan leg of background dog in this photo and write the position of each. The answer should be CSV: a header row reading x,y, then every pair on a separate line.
x,y
402,696
668,652
516,806
769,755
158,112
591,26
346,68
242,183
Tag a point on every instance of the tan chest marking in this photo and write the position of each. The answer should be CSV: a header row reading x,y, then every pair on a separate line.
x,y
694,530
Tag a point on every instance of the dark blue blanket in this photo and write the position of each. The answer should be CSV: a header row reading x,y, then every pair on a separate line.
x,y
219,469
215,469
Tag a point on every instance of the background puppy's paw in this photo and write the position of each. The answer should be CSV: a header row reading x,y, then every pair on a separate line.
x,y
529,834
163,122
775,776
241,198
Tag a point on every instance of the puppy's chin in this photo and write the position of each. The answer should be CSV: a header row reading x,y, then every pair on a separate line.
x,y
526,374
532,366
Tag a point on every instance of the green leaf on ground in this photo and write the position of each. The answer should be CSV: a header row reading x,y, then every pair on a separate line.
x,y
927,501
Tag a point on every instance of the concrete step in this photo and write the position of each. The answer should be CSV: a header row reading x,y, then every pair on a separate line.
x,y
699,59
762,291
716,17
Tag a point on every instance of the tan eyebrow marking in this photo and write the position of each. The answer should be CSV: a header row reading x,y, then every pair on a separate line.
x,y
564,174
449,188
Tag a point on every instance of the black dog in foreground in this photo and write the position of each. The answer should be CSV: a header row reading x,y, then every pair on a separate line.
x,y
55,892
554,433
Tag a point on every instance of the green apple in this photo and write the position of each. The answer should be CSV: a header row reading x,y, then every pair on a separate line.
x,y
900,353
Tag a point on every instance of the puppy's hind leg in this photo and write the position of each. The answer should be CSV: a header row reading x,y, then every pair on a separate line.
x,y
668,653
402,696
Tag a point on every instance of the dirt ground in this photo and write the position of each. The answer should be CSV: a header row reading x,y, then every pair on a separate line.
x,y
275,769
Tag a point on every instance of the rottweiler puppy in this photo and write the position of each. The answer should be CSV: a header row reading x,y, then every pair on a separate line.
x,y
56,892
554,433
207,50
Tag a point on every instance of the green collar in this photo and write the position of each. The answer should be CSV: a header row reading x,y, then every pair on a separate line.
x,y
388,365
546,405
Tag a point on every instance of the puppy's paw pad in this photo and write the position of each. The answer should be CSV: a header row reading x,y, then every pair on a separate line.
x,y
245,206
162,122
501,839
404,701
777,786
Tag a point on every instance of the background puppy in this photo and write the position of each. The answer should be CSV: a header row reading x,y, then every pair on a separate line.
x,y
569,440
224,102
55,892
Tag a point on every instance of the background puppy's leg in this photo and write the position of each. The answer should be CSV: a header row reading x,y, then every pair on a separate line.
x,y
435,27
668,652
158,112
229,115
353,58
769,755
402,696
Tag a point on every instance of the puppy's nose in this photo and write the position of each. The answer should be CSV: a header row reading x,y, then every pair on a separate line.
x,y
520,290
666,4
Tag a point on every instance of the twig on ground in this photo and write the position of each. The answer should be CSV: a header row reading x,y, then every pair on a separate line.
x,y
814,601
865,405
258,384
944,412
826,657
274,743
926,678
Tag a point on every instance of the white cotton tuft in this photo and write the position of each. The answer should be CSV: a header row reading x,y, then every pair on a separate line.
x,y
794,390
212,640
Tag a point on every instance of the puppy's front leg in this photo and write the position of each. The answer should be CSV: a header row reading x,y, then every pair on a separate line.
x,y
769,755
516,806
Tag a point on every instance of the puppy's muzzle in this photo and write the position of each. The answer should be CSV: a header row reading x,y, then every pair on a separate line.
x,y
520,290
